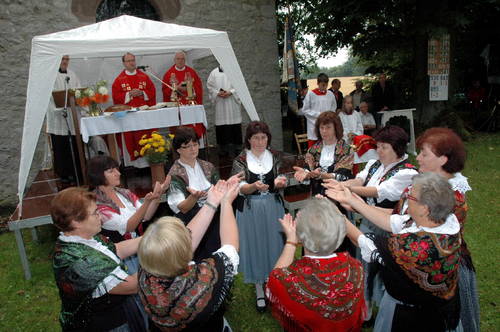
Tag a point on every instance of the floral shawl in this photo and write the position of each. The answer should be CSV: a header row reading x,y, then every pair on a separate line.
x,y
180,178
318,294
78,269
344,157
190,299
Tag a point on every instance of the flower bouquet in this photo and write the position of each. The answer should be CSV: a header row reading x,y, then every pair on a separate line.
x,y
155,148
92,97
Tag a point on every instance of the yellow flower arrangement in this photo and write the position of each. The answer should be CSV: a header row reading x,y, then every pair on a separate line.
x,y
155,147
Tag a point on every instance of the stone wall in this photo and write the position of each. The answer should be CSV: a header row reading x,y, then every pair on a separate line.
x,y
251,26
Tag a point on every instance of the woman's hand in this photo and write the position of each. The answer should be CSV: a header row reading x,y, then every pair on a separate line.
x,y
238,177
332,184
309,159
261,186
196,193
300,174
316,173
289,227
216,192
232,190
280,182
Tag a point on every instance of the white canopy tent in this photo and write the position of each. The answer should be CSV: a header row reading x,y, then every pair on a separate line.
x,y
95,51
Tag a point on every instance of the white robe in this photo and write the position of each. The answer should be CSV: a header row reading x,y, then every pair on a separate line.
x,y
313,106
351,124
227,110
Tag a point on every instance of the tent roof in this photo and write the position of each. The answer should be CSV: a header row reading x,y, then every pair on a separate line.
x,y
113,38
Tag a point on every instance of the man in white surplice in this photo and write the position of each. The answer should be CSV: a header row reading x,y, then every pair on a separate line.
x,y
57,127
227,112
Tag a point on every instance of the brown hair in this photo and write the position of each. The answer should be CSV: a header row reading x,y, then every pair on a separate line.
x,y
256,127
183,135
69,205
96,167
395,136
445,142
329,117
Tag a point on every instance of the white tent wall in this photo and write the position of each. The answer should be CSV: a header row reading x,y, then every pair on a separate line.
x,y
107,41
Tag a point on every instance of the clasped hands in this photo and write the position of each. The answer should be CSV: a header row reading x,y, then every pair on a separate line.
x,y
224,192
136,92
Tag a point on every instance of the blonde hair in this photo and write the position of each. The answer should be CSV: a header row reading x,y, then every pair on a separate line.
x,y
165,248
320,226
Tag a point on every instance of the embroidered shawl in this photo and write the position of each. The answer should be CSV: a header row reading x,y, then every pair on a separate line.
x,y
180,179
190,299
78,269
107,208
344,157
318,294
460,211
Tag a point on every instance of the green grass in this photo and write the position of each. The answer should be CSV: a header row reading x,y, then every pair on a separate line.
x,y
34,305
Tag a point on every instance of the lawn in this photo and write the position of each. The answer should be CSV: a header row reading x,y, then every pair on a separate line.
x,y
34,305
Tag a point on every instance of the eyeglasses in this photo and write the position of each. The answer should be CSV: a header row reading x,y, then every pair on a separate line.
x,y
190,146
410,197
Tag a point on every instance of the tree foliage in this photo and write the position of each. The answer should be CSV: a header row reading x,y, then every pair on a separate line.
x,y
391,35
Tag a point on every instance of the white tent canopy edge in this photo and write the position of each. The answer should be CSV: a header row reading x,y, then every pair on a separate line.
x,y
113,38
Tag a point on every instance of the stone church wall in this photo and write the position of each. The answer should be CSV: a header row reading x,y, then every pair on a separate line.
x,y
251,26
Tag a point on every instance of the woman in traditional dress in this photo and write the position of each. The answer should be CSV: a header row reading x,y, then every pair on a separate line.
x,y
381,183
93,283
121,212
179,294
322,291
191,179
419,261
443,152
259,207
329,158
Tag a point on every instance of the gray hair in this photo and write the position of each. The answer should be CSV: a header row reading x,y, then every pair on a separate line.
x,y
436,194
320,226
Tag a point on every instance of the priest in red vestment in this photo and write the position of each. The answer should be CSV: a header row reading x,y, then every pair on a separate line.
x,y
134,88
179,74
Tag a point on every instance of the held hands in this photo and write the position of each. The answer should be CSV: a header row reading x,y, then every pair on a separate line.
x,y
232,190
238,177
289,227
196,193
158,189
280,182
300,174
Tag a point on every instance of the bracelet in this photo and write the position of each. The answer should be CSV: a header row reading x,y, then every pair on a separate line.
x,y
292,243
210,205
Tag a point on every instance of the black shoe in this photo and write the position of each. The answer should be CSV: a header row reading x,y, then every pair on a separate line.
x,y
261,307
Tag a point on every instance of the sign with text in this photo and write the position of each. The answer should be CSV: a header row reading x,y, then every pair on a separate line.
x,y
438,87
438,55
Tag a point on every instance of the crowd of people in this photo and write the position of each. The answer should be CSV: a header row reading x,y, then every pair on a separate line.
x,y
404,266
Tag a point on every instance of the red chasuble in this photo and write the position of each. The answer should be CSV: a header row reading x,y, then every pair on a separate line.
x,y
123,84
180,76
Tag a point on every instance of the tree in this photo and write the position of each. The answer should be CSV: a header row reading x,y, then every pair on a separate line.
x,y
392,36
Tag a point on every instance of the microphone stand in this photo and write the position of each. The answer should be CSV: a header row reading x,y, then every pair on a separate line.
x,y
70,139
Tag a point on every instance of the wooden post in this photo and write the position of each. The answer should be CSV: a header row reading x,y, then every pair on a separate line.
x,y
78,137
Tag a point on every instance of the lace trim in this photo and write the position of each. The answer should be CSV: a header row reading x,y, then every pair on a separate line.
x,y
460,183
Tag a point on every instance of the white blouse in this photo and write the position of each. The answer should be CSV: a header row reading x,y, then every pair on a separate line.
x,y
196,181
451,226
391,188
114,278
327,156
118,222
352,124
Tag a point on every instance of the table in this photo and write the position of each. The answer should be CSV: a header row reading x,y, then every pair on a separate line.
x,y
407,113
160,118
